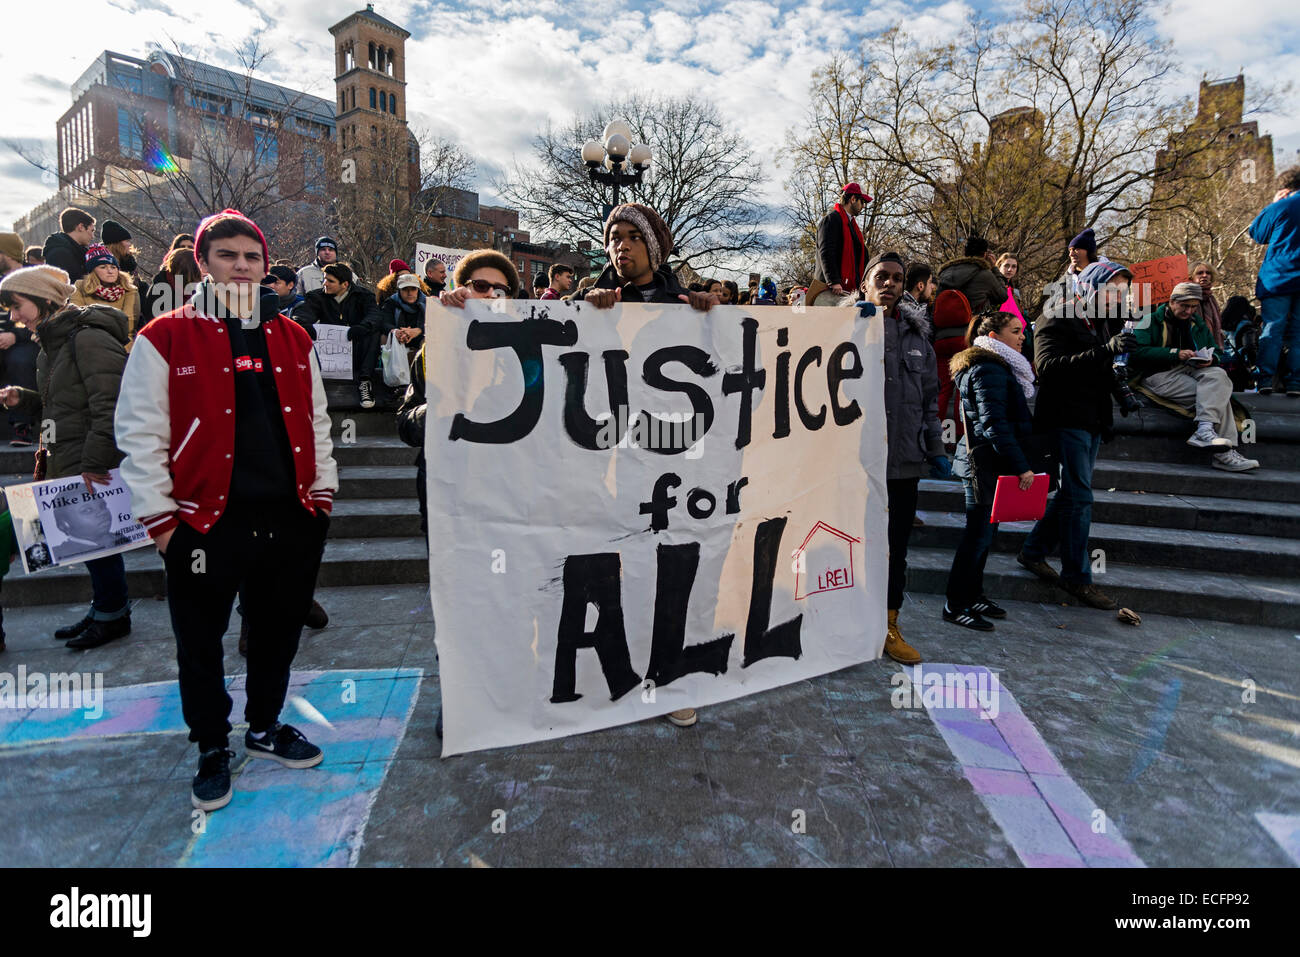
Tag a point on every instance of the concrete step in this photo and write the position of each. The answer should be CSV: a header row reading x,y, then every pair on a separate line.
x,y
385,518
1241,516
374,450
362,422
1272,456
348,561
377,481
1273,485
1231,598
1210,552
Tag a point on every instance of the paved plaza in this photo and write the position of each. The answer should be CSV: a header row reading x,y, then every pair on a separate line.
x,y
1176,743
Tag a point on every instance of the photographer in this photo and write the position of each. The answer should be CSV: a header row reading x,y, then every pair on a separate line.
x,y
1076,343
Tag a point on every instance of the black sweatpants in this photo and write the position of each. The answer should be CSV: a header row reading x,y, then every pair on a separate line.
x,y
903,495
274,553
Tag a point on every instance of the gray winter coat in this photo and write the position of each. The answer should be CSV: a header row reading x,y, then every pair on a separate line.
x,y
911,394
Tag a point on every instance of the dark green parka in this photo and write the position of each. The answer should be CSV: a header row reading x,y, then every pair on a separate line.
x,y
78,373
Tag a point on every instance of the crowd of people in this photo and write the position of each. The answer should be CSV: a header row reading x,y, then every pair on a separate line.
x,y
203,387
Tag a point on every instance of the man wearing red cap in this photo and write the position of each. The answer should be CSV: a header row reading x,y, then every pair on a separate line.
x,y
230,466
841,253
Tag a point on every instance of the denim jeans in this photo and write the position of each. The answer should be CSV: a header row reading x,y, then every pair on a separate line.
x,y
1069,514
1281,315
966,578
108,588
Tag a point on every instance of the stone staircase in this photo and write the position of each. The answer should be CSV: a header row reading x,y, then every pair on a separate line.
x,y
1178,537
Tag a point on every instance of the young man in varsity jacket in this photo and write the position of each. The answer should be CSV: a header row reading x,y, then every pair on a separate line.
x,y
223,422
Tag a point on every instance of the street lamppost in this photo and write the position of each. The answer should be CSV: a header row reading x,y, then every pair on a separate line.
x,y
623,163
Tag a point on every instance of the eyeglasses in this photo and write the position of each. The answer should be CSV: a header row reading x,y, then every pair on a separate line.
x,y
482,287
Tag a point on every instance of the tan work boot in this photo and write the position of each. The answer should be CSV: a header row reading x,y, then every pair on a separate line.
x,y
896,647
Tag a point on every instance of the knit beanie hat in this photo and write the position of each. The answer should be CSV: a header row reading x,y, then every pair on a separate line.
x,y
113,232
1186,290
1095,275
282,273
395,264
326,243
658,240
209,221
1087,242
11,244
39,282
885,257
98,255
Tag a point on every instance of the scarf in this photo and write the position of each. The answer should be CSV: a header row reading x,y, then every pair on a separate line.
x,y
1019,364
1213,318
109,293
851,252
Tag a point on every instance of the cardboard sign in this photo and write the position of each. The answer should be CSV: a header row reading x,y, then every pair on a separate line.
x,y
1154,280
333,351
646,508
424,252
58,522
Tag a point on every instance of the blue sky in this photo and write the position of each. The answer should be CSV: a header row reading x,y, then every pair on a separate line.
x,y
490,73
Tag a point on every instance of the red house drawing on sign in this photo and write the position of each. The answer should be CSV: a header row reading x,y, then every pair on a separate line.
x,y
829,575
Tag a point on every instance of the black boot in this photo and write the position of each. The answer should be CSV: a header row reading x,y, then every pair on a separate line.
x,y
72,631
316,618
101,633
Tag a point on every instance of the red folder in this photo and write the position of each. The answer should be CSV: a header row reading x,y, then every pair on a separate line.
x,y
1010,504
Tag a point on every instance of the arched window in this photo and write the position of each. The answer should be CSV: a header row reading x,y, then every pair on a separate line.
x,y
353,94
343,101
372,97
383,102
370,60
392,104
392,56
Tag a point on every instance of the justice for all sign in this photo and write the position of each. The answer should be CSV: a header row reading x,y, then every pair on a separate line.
x,y
646,508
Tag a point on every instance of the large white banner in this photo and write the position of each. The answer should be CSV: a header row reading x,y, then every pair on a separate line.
x,y
590,569
60,522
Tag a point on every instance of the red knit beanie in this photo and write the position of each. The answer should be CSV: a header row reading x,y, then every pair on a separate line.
x,y
395,264
201,240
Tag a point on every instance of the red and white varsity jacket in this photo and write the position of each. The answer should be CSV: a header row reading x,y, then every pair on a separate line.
x,y
175,418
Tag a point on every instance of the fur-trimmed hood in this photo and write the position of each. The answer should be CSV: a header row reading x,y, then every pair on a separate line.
x,y
914,316
975,262
968,357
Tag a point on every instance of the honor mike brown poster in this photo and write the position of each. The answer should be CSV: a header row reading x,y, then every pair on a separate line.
x,y
646,508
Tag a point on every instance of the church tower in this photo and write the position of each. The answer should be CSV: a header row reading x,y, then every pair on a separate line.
x,y
370,100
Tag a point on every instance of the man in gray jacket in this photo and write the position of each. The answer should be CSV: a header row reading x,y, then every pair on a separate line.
x,y
912,414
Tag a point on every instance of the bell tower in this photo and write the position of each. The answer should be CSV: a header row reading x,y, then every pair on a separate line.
x,y
370,94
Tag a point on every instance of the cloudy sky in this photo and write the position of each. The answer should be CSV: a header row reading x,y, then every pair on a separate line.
x,y
491,72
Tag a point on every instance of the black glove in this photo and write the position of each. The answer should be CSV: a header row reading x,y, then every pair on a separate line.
x,y
1120,343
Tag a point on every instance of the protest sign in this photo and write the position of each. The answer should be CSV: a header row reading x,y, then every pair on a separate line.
x,y
647,508
424,252
59,522
333,351
1154,280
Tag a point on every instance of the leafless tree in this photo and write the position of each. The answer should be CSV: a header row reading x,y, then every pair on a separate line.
x,y
703,180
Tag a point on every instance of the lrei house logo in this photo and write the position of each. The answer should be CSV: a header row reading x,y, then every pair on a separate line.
x,y
77,910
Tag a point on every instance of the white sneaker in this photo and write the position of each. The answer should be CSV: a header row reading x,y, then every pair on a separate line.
x,y
367,393
1234,461
1205,437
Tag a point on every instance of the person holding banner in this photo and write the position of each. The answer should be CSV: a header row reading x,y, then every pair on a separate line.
x,y
79,374
231,470
638,243
994,384
914,431
435,277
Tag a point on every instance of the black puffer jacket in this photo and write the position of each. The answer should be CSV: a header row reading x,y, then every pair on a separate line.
x,y
999,427
65,252
972,276
1075,380
667,288
79,373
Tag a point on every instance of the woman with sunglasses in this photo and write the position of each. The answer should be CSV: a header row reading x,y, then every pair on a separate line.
x,y
483,274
